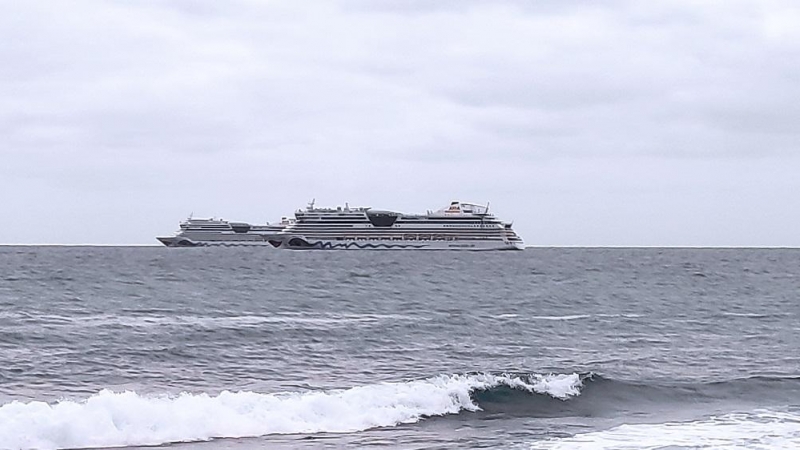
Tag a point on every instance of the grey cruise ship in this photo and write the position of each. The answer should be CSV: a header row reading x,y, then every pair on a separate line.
x,y
213,232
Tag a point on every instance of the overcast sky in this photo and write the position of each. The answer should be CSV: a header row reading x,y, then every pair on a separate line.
x,y
627,123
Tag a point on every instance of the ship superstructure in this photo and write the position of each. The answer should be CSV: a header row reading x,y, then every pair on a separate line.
x,y
459,226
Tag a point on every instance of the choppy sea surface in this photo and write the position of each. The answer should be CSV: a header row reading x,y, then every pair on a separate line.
x,y
550,348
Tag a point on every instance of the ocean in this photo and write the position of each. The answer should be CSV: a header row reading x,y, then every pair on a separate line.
x,y
550,348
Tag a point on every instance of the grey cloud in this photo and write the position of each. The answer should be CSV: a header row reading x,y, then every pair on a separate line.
x,y
560,113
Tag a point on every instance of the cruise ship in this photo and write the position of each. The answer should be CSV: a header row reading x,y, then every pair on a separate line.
x,y
458,226
197,232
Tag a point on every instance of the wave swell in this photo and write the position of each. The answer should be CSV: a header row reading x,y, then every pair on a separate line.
x,y
115,419
606,397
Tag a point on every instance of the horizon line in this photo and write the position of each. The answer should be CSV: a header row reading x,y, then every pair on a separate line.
x,y
532,246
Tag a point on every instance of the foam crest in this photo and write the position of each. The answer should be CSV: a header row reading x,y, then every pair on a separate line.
x,y
112,419
559,386
760,429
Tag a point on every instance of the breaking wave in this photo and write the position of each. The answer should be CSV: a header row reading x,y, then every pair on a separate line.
x,y
115,419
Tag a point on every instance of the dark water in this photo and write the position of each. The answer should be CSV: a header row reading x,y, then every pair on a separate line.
x,y
254,348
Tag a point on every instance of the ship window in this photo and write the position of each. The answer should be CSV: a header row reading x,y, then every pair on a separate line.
x,y
382,219
240,227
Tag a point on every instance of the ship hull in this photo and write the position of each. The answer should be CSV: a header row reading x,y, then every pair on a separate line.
x,y
183,242
305,243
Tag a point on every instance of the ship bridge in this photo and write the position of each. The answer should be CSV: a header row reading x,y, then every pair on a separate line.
x,y
464,208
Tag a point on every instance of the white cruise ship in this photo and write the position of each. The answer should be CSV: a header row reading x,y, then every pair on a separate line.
x,y
195,232
459,226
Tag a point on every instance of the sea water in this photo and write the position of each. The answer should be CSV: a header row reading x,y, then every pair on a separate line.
x,y
550,348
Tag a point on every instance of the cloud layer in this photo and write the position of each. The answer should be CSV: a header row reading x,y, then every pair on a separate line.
x,y
630,123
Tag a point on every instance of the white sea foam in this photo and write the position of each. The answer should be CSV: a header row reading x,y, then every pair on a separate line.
x,y
109,419
506,316
242,321
756,430
756,315
566,317
571,317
